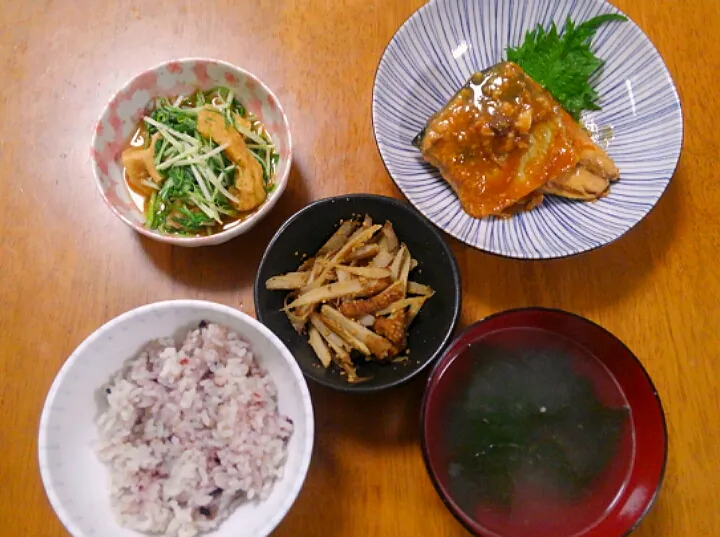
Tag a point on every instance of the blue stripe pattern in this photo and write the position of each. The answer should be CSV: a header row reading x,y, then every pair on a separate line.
x,y
446,41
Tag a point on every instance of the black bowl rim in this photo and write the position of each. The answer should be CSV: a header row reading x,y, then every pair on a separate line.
x,y
431,230
509,256
432,377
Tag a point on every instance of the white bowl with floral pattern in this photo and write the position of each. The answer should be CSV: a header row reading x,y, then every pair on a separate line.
x,y
125,109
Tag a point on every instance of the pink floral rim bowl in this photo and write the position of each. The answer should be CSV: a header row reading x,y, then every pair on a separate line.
x,y
182,77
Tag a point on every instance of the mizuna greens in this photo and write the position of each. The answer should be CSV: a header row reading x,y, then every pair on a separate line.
x,y
195,173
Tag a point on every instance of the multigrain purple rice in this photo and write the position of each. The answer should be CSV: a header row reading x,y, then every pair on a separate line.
x,y
190,433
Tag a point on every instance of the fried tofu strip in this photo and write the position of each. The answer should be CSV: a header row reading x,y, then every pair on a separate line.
x,y
378,345
140,170
358,308
248,187
393,327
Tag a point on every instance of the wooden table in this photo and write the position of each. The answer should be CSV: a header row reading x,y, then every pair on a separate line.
x,y
67,264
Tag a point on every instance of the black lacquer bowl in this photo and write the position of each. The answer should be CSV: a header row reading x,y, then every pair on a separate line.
x,y
308,229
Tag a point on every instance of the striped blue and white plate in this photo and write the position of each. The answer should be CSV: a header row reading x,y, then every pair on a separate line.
x,y
444,42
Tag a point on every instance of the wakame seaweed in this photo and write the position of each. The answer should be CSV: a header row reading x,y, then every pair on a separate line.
x,y
530,419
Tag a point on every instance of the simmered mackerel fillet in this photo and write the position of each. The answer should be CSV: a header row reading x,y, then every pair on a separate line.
x,y
590,179
502,141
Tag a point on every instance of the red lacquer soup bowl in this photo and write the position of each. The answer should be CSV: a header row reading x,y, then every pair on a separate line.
x,y
541,423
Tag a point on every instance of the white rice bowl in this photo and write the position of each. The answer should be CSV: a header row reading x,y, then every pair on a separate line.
x,y
261,462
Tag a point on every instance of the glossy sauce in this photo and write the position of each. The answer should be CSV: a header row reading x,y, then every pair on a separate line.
x,y
138,196
499,139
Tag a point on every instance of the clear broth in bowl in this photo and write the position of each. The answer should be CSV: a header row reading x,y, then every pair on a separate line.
x,y
538,441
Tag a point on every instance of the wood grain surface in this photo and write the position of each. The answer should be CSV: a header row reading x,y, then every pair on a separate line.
x,y
67,264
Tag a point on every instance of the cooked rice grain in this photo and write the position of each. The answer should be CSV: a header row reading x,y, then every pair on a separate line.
x,y
191,433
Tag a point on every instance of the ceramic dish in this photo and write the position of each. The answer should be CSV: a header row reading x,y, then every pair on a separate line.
x,y
77,482
445,41
308,229
563,394
122,113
